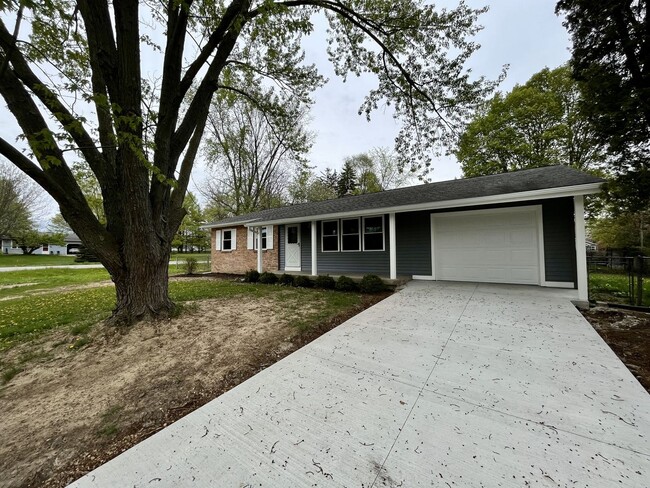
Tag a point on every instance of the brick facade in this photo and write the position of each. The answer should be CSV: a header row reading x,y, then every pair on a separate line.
x,y
242,259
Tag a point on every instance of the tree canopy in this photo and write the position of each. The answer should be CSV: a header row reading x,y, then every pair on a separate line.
x,y
611,61
536,124
73,76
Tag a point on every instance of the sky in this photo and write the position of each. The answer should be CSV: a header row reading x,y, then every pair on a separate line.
x,y
524,34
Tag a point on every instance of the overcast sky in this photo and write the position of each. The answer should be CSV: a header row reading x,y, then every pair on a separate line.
x,y
525,34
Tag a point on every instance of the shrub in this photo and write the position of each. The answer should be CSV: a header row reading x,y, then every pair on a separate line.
x,y
286,279
190,265
345,284
303,281
268,278
371,284
252,276
326,282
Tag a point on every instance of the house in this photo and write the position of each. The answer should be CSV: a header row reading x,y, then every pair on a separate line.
x,y
71,246
523,227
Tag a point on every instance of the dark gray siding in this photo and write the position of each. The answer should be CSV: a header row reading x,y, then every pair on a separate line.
x,y
305,246
359,262
281,247
559,240
413,243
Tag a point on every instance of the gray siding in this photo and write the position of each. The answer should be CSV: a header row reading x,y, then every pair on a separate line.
x,y
559,240
356,262
305,246
414,243
281,245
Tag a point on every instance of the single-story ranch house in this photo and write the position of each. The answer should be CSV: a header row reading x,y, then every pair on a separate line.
x,y
523,227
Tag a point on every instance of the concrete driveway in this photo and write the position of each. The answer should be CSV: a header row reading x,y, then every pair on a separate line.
x,y
442,384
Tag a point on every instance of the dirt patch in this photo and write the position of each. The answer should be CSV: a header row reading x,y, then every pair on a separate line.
x,y
72,410
628,334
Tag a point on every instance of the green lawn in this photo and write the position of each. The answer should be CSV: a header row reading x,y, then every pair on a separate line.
x,y
14,283
24,318
10,260
177,261
613,287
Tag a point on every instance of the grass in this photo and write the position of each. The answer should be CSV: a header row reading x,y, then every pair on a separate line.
x,y
11,260
24,318
613,287
16,283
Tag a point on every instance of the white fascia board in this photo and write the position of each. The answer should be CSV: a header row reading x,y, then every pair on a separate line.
x,y
565,191
226,225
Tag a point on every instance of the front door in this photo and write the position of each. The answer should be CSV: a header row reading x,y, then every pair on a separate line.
x,y
292,248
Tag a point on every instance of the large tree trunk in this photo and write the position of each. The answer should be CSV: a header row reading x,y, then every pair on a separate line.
x,y
142,291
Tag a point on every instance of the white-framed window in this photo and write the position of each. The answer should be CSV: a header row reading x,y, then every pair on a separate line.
x,y
373,233
226,240
330,236
350,235
266,236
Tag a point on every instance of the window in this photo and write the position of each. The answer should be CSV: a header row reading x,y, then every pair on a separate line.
x,y
330,237
255,240
373,233
350,235
226,240
267,237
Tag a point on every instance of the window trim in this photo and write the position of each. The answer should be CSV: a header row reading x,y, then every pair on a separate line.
x,y
262,237
341,234
337,235
232,233
383,233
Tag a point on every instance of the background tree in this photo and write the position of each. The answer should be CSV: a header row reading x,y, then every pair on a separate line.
x,y
140,139
347,182
307,186
190,237
363,167
537,124
252,152
611,61
389,172
20,200
58,225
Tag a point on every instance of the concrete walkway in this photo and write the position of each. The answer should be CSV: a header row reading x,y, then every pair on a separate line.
x,y
442,384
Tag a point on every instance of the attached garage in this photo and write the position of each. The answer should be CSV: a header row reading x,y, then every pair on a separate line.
x,y
492,246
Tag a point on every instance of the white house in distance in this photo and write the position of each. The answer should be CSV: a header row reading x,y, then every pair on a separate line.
x,y
524,227
70,248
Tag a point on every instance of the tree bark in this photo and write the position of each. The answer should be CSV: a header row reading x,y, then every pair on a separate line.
x,y
142,290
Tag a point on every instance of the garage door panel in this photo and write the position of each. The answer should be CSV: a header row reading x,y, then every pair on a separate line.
x,y
524,237
498,247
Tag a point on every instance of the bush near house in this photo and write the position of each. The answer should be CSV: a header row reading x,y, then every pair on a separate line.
x,y
286,279
303,282
344,283
252,276
371,284
326,282
268,278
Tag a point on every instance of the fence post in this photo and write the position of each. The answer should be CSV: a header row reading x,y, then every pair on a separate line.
x,y
638,264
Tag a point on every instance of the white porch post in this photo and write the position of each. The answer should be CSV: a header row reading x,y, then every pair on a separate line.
x,y
581,249
392,244
258,241
314,248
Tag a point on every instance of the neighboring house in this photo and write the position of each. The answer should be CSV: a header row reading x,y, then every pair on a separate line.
x,y
523,227
72,244
9,246
591,245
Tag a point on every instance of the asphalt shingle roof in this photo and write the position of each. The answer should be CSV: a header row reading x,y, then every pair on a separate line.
x,y
481,186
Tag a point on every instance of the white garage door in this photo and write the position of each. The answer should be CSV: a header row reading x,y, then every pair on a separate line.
x,y
487,246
